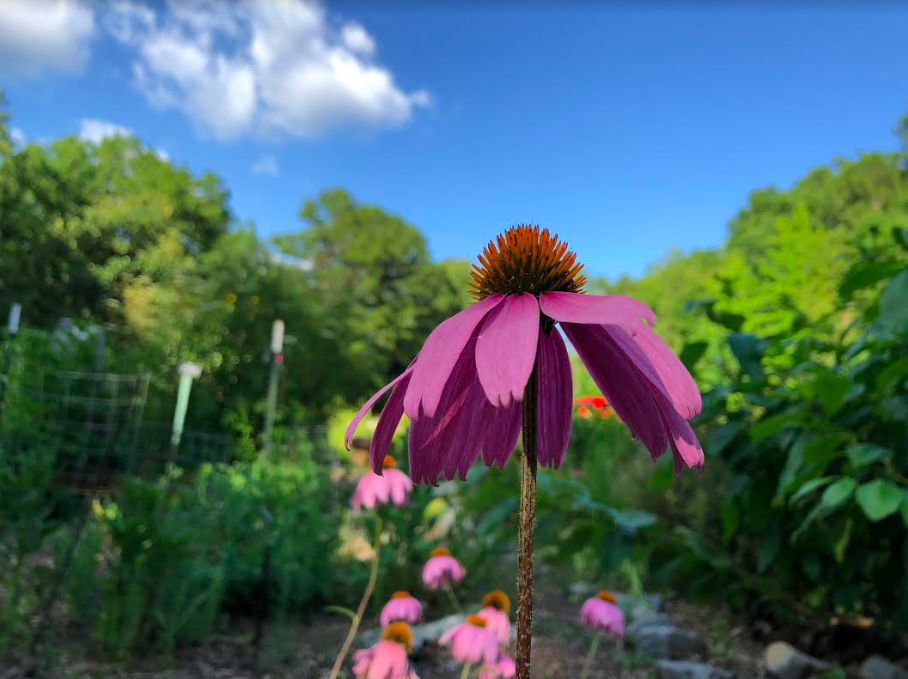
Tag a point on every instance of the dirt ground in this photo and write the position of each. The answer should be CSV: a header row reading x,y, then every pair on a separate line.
x,y
307,651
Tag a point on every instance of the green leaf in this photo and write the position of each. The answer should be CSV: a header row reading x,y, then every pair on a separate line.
x,y
693,352
904,511
342,610
769,548
820,452
864,274
833,497
830,390
901,237
894,304
842,544
630,521
863,454
837,494
748,349
810,487
892,373
773,425
719,439
879,499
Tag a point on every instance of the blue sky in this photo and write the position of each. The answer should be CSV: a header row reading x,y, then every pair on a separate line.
x,y
628,132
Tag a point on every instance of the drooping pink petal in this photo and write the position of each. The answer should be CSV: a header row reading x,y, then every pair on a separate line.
x,y
572,307
555,399
671,371
432,437
439,355
468,433
686,450
506,349
502,433
621,383
367,406
387,425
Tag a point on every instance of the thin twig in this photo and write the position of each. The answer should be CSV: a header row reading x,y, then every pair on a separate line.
x,y
361,610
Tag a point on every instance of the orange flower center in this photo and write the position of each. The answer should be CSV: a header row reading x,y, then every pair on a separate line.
x,y
389,463
607,596
398,632
497,599
476,621
526,259
441,551
400,595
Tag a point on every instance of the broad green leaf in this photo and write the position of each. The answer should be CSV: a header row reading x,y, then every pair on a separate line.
x,y
810,487
820,452
691,353
863,454
864,275
833,497
837,494
748,349
894,304
892,374
904,510
773,425
631,521
830,390
879,499
719,439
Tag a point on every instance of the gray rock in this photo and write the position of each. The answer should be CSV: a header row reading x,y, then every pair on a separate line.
x,y
677,669
784,661
648,619
878,667
666,641
426,632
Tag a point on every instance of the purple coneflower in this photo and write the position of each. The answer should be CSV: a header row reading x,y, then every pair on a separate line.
x,y
374,490
601,612
495,608
463,392
472,643
503,669
388,658
442,570
500,366
401,608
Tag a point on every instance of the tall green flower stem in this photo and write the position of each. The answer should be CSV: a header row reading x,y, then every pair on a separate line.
x,y
466,671
527,525
589,656
361,610
453,597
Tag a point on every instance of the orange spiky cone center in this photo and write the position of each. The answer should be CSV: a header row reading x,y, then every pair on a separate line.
x,y
526,259
497,599
441,551
607,596
398,632
400,595
389,463
476,621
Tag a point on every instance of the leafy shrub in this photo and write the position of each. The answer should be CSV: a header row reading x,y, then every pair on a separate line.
x,y
812,437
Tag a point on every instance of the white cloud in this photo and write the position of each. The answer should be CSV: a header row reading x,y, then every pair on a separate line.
x,y
356,38
267,165
261,67
96,131
39,34
17,136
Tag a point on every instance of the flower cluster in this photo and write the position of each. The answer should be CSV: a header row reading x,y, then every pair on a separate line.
x,y
590,406
485,638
